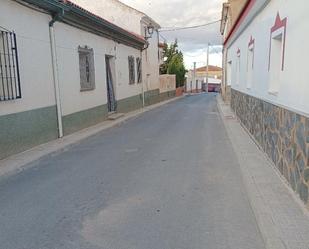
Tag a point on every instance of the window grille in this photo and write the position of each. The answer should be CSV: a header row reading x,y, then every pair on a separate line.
x,y
9,68
86,68
139,69
131,70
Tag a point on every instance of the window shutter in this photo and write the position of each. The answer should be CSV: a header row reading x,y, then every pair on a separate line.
x,y
139,70
86,69
131,70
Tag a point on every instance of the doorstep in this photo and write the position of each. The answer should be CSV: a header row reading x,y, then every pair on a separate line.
x,y
115,116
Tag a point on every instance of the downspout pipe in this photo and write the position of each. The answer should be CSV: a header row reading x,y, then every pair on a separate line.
x,y
143,89
55,18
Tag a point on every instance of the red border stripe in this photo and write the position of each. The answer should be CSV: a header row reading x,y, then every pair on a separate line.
x,y
245,11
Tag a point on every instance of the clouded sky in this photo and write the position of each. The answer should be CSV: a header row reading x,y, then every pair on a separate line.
x,y
184,13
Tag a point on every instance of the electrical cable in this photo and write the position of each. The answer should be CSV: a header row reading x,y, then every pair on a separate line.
x,y
167,29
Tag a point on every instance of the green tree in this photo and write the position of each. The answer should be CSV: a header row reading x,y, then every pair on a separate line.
x,y
173,63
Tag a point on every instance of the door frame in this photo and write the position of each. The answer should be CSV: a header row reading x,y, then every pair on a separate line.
x,y
110,86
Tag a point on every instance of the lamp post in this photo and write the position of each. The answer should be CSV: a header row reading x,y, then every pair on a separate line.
x,y
207,68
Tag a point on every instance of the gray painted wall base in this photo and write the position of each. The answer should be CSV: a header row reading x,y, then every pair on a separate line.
x,y
21,131
24,130
83,119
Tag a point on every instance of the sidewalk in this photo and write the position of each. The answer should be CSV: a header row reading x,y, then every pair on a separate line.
x,y
282,218
19,162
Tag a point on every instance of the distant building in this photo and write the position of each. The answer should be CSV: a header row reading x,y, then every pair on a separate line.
x,y
265,75
196,82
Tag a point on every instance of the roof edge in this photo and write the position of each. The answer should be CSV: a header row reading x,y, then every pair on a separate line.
x,y
77,16
243,11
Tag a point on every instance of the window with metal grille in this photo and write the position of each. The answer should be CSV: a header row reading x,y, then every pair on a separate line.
x,y
131,70
86,69
139,69
9,68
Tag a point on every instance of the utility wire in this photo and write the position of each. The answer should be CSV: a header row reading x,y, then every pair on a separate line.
x,y
167,29
162,37
214,48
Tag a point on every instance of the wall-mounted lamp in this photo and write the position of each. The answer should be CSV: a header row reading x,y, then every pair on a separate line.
x,y
149,29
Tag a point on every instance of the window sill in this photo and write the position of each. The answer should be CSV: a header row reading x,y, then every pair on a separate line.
x,y
87,89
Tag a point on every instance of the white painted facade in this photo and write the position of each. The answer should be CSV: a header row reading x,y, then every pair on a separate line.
x,y
31,28
35,63
116,12
135,21
195,82
266,79
68,39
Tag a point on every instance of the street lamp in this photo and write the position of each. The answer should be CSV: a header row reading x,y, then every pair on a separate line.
x,y
149,29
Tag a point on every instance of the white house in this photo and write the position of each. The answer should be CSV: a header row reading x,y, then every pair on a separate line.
x,y
196,79
137,22
265,65
62,68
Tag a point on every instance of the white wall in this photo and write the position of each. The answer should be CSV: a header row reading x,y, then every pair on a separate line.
x,y
68,39
32,30
167,82
192,86
293,88
151,64
37,86
129,19
115,12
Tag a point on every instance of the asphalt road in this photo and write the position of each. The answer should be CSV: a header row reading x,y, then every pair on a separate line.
x,y
168,179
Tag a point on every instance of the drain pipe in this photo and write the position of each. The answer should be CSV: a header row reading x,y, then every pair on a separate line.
x,y
55,71
143,90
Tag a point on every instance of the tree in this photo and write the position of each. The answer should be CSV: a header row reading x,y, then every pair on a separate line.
x,y
173,63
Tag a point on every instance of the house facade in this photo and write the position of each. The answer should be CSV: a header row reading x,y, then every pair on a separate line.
x,y
62,69
230,12
265,67
137,22
196,80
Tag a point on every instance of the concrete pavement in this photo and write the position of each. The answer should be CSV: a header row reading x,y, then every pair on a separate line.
x,y
282,217
168,179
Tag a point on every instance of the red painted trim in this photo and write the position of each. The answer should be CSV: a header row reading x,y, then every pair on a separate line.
x,y
279,23
238,52
245,11
251,42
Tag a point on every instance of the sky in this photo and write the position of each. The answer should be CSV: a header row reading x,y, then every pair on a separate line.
x,y
171,14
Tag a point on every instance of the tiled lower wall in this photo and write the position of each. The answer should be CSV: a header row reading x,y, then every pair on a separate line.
x,y
283,135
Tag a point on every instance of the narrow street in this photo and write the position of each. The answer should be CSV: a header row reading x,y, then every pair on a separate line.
x,y
168,179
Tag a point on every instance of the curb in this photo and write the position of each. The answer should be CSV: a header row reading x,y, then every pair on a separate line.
x,y
268,218
19,162
269,235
